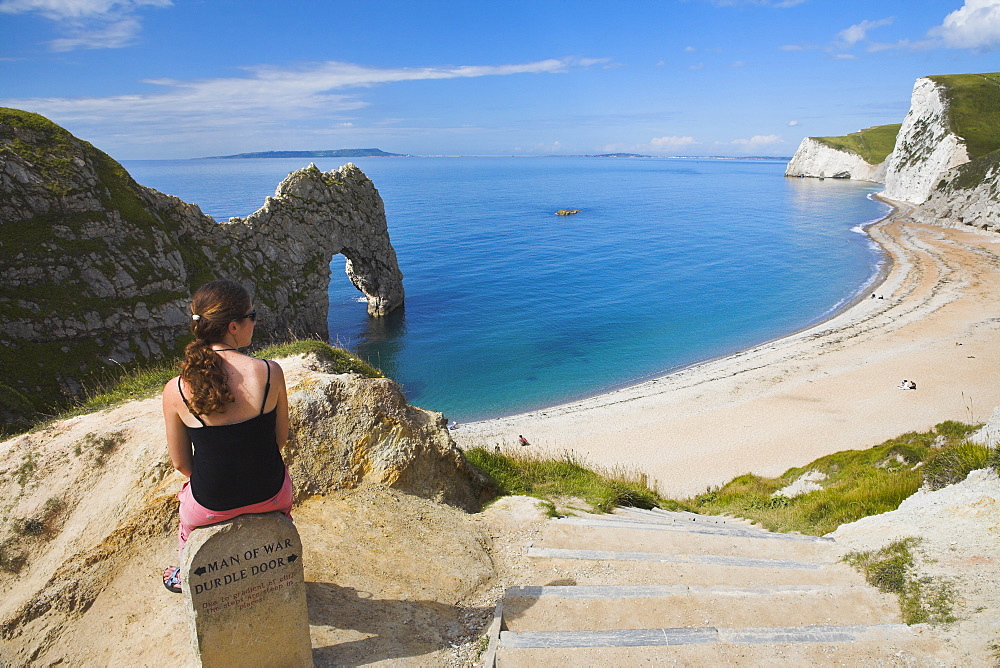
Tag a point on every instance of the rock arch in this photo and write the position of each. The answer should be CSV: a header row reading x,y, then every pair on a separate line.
x,y
97,270
292,238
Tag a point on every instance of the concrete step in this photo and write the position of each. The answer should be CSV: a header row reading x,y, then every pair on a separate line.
x,y
674,606
639,587
571,533
659,637
856,645
872,653
654,524
673,557
683,517
574,569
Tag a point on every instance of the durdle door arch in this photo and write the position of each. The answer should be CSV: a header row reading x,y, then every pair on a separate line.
x,y
99,270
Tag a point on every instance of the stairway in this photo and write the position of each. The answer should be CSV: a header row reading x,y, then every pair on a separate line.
x,y
640,587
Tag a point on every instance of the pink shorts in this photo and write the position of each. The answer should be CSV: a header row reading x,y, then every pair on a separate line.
x,y
193,514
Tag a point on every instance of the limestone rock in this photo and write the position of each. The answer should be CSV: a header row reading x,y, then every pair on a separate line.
x,y
961,200
97,269
346,430
816,159
926,147
243,581
989,434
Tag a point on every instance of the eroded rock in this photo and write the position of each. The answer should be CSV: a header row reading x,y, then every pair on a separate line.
x,y
98,269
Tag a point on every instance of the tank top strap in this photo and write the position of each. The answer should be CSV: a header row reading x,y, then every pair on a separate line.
x,y
267,387
186,404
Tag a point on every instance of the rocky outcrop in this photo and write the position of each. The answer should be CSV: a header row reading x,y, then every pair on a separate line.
x,y
966,195
816,159
346,430
98,270
101,494
926,147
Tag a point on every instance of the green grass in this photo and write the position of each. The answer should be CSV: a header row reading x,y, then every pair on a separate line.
x,y
340,360
952,464
859,483
873,144
974,111
891,569
518,472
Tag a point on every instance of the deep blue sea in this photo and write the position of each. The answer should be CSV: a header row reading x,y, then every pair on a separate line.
x,y
510,307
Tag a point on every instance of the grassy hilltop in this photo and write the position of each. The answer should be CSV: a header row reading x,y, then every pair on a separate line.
x,y
974,115
974,111
873,144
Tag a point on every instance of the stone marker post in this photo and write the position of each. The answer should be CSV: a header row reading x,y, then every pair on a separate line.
x,y
243,581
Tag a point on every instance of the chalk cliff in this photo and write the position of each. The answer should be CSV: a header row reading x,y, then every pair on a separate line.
x,y
966,195
814,158
926,147
945,158
97,269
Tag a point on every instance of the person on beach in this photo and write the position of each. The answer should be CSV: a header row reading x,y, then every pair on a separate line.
x,y
522,440
226,418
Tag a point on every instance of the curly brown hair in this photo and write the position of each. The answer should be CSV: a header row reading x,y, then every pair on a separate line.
x,y
213,307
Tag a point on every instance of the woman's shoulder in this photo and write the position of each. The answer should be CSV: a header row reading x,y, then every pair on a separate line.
x,y
170,387
172,396
273,368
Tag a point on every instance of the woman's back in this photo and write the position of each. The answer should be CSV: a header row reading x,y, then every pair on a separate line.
x,y
249,381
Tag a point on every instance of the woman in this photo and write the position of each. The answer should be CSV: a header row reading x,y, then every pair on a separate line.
x,y
226,418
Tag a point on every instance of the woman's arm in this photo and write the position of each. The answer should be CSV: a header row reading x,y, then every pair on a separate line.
x,y
281,423
178,441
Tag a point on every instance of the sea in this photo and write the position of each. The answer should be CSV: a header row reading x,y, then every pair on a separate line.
x,y
509,307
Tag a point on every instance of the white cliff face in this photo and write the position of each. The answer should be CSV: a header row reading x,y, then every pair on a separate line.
x,y
953,205
814,158
925,148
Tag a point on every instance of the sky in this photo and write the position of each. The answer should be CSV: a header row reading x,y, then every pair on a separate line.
x,y
164,79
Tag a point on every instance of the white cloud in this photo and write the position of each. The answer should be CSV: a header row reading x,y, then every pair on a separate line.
x,y
87,24
758,140
664,143
844,56
264,99
859,31
792,124
57,10
976,25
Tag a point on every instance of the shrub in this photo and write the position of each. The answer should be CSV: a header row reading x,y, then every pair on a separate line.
x,y
954,462
891,569
518,472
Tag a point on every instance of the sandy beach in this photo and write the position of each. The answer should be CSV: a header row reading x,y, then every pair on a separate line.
x,y
829,388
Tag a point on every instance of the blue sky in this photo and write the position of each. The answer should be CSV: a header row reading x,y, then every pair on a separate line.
x,y
151,79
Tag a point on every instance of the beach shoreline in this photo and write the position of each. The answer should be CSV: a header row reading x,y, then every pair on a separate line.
x,y
758,410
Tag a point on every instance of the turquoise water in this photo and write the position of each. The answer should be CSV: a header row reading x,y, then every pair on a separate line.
x,y
510,307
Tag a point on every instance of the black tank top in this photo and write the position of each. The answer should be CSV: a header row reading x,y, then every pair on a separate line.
x,y
238,464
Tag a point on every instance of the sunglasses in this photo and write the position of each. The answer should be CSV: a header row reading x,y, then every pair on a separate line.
x,y
252,315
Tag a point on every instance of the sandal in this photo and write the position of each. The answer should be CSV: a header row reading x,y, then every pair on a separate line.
x,y
172,579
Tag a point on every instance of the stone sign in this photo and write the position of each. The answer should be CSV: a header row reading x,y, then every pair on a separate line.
x,y
243,581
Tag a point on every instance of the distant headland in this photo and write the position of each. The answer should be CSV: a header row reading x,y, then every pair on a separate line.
x,y
334,153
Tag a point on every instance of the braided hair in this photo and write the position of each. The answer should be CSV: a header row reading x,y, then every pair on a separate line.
x,y
213,307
